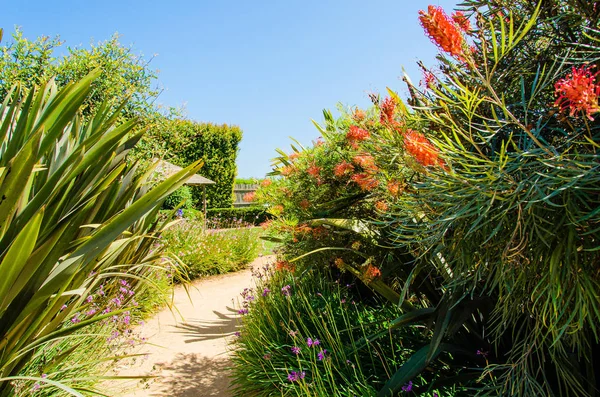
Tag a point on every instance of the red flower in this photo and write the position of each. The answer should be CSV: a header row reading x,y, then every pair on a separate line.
x,y
287,170
365,181
421,149
357,134
578,92
248,197
358,115
388,109
304,204
462,21
443,31
371,272
428,79
314,171
381,206
394,187
343,168
366,161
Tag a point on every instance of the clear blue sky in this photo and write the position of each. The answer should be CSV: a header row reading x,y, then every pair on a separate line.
x,y
267,66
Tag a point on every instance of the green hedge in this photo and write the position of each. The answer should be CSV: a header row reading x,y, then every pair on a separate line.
x,y
182,142
253,215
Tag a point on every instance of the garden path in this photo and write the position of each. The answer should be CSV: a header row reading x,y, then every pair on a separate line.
x,y
187,350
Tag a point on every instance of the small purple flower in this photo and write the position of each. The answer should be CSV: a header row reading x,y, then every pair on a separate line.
x,y
76,319
89,299
243,311
407,387
238,333
266,292
482,353
322,354
286,290
295,350
267,357
179,213
311,343
296,376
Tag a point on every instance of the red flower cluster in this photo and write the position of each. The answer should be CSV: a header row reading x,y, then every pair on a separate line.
x,y
357,134
371,273
443,31
421,149
343,168
578,92
366,161
428,79
381,206
248,197
314,171
358,115
365,181
388,110
304,204
394,187
462,21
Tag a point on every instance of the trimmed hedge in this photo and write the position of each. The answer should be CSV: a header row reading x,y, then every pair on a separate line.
x,y
253,215
182,142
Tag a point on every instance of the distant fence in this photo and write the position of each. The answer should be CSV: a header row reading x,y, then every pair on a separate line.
x,y
240,191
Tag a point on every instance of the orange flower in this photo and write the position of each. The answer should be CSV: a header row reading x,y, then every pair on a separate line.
x,y
443,31
277,209
343,168
266,182
293,156
388,109
366,161
365,181
314,171
357,134
371,273
304,204
381,206
266,224
578,92
394,187
421,149
287,170
319,141
248,197
339,263
358,115
284,265
462,21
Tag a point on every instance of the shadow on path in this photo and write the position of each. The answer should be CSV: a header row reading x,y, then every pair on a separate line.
x,y
193,375
202,330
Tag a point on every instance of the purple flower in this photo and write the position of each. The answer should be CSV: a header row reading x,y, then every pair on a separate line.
x,y
296,376
322,354
180,213
243,311
286,290
408,386
311,343
89,299
266,292
238,333
295,350
63,307
482,353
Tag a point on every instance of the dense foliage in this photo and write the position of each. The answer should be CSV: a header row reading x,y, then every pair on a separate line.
x,y
75,222
181,196
124,74
474,205
182,142
249,215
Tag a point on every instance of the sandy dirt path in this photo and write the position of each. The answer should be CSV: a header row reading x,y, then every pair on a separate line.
x,y
187,350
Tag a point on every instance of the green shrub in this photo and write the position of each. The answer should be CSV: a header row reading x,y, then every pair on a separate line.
x,y
183,142
174,199
211,252
221,217
286,308
74,220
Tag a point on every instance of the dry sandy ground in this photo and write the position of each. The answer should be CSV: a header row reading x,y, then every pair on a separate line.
x,y
187,350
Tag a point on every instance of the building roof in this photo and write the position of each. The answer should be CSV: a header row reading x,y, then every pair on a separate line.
x,y
169,169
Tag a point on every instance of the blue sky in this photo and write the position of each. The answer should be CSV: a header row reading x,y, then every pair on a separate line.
x,y
267,66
